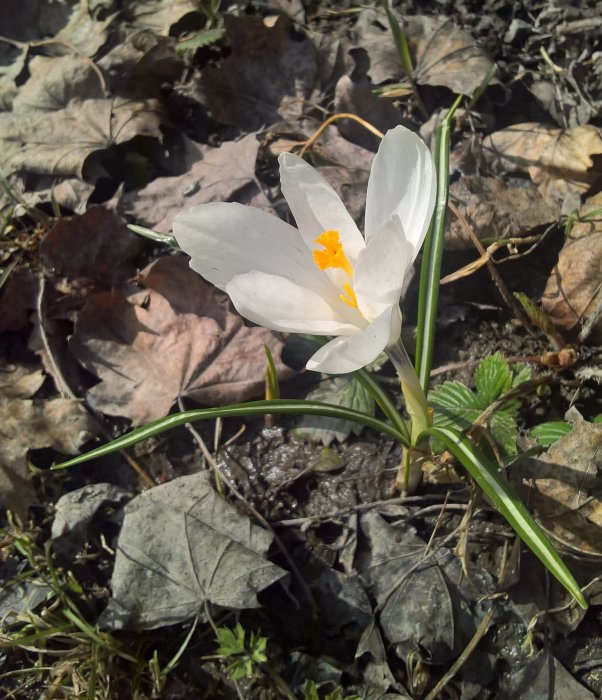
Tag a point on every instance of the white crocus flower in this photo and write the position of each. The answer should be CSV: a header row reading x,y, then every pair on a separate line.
x,y
323,278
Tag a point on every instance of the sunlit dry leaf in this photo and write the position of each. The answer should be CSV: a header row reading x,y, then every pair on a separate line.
x,y
58,142
157,15
216,177
54,82
561,162
573,290
183,547
442,53
267,77
61,424
495,210
446,55
177,337
564,489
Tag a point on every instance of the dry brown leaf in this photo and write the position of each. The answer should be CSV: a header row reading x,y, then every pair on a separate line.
x,y
90,251
157,15
442,53
446,55
54,82
58,142
559,161
216,177
565,489
267,77
178,337
495,210
574,288
61,424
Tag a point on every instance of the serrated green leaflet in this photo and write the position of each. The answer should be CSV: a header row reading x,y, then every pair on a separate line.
x,y
510,506
548,433
252,408
458,407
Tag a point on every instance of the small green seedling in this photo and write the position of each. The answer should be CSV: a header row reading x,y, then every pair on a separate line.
x,y
243,657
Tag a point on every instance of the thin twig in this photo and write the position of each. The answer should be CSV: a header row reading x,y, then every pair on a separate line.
x,y
461,660
342,115
499,282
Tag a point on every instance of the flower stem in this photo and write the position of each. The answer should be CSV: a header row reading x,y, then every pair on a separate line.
x,y
412,392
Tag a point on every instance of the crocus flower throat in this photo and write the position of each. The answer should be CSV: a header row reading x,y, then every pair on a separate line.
x,y
333,257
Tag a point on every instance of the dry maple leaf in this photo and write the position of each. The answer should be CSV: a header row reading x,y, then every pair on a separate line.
x,y
178,337
61,424
216,177
58,142
559,161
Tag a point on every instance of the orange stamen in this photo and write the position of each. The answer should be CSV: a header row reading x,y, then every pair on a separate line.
x,y
350,299
333,255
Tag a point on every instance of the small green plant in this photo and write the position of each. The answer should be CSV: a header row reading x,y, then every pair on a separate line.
x,y
548,433
458,407
310,692
242,656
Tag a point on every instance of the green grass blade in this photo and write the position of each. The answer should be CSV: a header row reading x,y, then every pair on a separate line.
x,y
155,236
510,506
384,402
430,271
296,407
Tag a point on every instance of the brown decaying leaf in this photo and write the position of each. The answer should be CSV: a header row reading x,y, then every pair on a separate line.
x,y
177,337
61,424
157,15
496,211
94,249
267,77
574,287
442,53
565,492
216,177
446,55
559,161
58,142
17,298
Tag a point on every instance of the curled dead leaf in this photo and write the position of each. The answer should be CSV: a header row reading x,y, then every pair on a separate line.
x,y
574,288
561,162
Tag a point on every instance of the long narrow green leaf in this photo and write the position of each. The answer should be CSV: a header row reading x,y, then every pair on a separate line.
x,y
252,408
510,506
430,272
383,401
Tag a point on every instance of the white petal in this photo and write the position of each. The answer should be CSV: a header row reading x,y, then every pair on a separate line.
x,y
277,303
316,206
228,239
403,181
348,353
380,269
